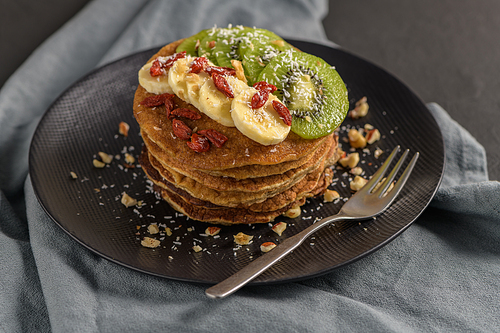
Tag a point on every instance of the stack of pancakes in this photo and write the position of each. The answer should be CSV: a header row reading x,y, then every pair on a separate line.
x,y
241,182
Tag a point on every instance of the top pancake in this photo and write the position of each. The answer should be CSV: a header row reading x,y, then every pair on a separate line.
x,y
238,152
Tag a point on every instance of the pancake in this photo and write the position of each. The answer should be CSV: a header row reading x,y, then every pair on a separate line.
x,y
184,176
241,182
257,202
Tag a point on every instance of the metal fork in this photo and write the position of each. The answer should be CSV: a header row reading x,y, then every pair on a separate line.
x,y
368,202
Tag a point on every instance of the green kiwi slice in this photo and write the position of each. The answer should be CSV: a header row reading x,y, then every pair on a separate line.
x,y
191,44
227,45
258,56
311,89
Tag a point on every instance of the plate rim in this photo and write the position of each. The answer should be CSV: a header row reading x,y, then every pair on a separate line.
x,y
301,277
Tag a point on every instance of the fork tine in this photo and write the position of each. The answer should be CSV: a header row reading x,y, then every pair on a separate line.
x,y
380,192
402,180
377,176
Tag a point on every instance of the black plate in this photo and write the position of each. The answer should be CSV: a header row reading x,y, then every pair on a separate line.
x,y
84,120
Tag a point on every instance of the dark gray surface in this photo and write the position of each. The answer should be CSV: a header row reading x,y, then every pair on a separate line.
x,y
446,51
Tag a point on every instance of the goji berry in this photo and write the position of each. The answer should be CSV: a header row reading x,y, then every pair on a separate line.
x,y
220,70
185,113
169,106
198,143
199,64
173,58
218,139
156,100
263,85
181,130
156,68
222,85
283,112
259,99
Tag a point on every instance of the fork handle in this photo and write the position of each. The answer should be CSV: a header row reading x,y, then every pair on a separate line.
x,y
259,265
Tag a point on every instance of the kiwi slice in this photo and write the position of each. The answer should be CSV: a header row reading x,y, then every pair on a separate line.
x,y
311,89
191,44
227,45
258,56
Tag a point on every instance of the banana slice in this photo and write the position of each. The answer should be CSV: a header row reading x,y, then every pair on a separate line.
x,y
154,84
194,82
262,125
177,77
215,104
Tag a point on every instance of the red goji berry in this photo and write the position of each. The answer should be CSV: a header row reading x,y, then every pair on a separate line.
x,y
216,138
222,85
263,85
283,112
185,113
156,100
259,99
173,58
169,106
181,130
156,68
199,64
198,143
220,70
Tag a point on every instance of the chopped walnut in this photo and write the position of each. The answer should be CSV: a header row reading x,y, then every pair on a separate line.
x,y
293,212
212,231
280,227
351,160
267,246
358,183
330,196
123,128
98,164
240,73
357,171
372,136
378,152
360,109
356,139
197,248
106,158
128,201
150,242
242,239
129,158
168,231
153,229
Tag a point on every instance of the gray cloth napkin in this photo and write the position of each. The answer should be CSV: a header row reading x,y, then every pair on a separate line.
x,y
439,275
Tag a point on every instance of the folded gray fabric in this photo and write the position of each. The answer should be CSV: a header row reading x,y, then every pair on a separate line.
x,y
439,275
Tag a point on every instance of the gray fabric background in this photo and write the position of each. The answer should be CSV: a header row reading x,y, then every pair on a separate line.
x,y
439,275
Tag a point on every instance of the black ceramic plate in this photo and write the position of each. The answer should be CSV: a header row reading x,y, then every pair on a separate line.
x,y
84,120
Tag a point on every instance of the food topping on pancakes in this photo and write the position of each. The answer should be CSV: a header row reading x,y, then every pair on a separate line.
x,y
238,125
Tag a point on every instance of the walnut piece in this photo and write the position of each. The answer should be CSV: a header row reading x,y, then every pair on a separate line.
x,y
212,231
106,158
150,242
351,160
358,183
267,246
128,201
242,239
280,227
330,196
360,109
356,139
123,128
293,212
153,229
